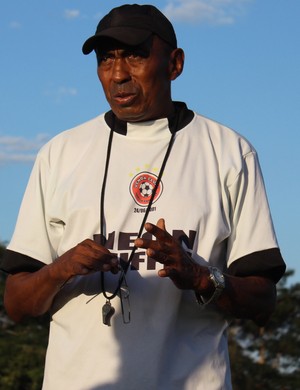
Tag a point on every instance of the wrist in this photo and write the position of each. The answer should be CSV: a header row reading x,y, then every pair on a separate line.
x,y
215,282
58,274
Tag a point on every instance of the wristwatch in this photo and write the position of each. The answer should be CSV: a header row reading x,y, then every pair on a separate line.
x,y
216,276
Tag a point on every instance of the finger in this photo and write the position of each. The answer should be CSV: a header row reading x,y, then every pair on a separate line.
x,y
109,260
159,233
161,224
161,257
158,250
106,264
105,267
99,252
92,245
167,273
115,265
146,244
162,273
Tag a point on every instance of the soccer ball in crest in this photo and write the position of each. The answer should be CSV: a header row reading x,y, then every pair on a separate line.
x,y
146,189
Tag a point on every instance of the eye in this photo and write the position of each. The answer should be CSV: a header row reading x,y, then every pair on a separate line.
x,y
105,58
132,55
136,55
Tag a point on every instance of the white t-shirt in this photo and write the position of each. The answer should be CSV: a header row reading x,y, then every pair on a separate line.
x,y
211,192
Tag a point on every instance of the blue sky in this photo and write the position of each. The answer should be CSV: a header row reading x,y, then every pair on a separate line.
x,y
242,69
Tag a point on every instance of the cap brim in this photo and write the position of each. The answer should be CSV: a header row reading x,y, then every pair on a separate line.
x,y
128,35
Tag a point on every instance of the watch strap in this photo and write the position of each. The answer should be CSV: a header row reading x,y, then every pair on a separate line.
x,y
218,280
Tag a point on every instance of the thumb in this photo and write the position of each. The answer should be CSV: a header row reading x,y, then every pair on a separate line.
x,y
161,224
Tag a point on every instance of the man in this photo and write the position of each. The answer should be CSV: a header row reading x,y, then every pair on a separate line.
x,y
144,230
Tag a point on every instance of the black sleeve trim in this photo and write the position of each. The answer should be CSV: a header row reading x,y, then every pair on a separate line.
x,y
268,263
14,262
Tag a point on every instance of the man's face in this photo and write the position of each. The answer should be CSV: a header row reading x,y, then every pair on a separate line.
x,y
136,80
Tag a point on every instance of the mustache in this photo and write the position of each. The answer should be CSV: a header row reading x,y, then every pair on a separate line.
x,y
123,89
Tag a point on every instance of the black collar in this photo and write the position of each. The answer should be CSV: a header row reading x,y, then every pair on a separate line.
x,y
178,121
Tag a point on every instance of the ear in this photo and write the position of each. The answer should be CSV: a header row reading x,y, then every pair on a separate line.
x,y
176,63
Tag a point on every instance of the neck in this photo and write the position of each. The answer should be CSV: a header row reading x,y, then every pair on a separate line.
x,y
178,108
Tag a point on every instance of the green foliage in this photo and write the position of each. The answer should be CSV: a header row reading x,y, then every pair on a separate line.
x,y
269,358
22,349
22,354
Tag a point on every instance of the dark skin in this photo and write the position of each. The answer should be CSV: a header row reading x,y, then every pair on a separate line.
x,y
32,294
251,297
137,84
137,80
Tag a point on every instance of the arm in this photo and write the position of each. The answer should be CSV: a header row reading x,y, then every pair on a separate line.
x,y
251,297
32,294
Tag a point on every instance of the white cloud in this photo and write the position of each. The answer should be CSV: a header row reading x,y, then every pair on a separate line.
x,y
60,93
20,149
71,13
214,12
67,91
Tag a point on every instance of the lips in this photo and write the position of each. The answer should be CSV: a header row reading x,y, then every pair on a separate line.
x,y
123,98
123,94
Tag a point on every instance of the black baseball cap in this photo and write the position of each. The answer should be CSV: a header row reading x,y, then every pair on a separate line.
x,y
132,24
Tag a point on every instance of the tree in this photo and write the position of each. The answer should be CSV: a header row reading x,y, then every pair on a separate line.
x,y
269,357
22,348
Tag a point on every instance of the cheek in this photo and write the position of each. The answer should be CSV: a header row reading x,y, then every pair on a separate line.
x,y
150,84
104,85
157,88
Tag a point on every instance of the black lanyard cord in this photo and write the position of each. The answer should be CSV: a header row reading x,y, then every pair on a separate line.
x,y
127,264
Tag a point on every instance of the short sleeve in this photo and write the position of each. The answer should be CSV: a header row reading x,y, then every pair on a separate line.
x,y
31,236
251,223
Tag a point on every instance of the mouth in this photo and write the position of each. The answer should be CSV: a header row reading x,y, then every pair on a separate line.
x,y
123,99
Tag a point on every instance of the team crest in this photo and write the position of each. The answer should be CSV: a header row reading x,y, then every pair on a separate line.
x,y
142,186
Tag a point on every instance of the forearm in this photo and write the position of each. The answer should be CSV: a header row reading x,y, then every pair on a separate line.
x,y
251,297
32,294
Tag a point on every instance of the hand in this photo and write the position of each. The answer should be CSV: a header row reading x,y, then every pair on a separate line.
x,y
178,265
85,258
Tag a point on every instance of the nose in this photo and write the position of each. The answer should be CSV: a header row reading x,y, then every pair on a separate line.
x,y
120,70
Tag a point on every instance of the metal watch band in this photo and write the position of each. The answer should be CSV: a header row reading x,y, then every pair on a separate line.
x,y
218,280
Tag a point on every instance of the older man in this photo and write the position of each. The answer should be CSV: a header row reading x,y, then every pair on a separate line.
x,y
144,230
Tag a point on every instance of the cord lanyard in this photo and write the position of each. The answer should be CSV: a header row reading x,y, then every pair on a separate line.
x,y
122,288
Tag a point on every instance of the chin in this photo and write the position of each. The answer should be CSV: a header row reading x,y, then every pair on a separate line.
x,y
130,116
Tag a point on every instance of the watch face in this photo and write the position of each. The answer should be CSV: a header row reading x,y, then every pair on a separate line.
x,y
218,277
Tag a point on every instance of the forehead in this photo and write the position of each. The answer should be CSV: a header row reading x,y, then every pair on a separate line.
x,y
110,44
